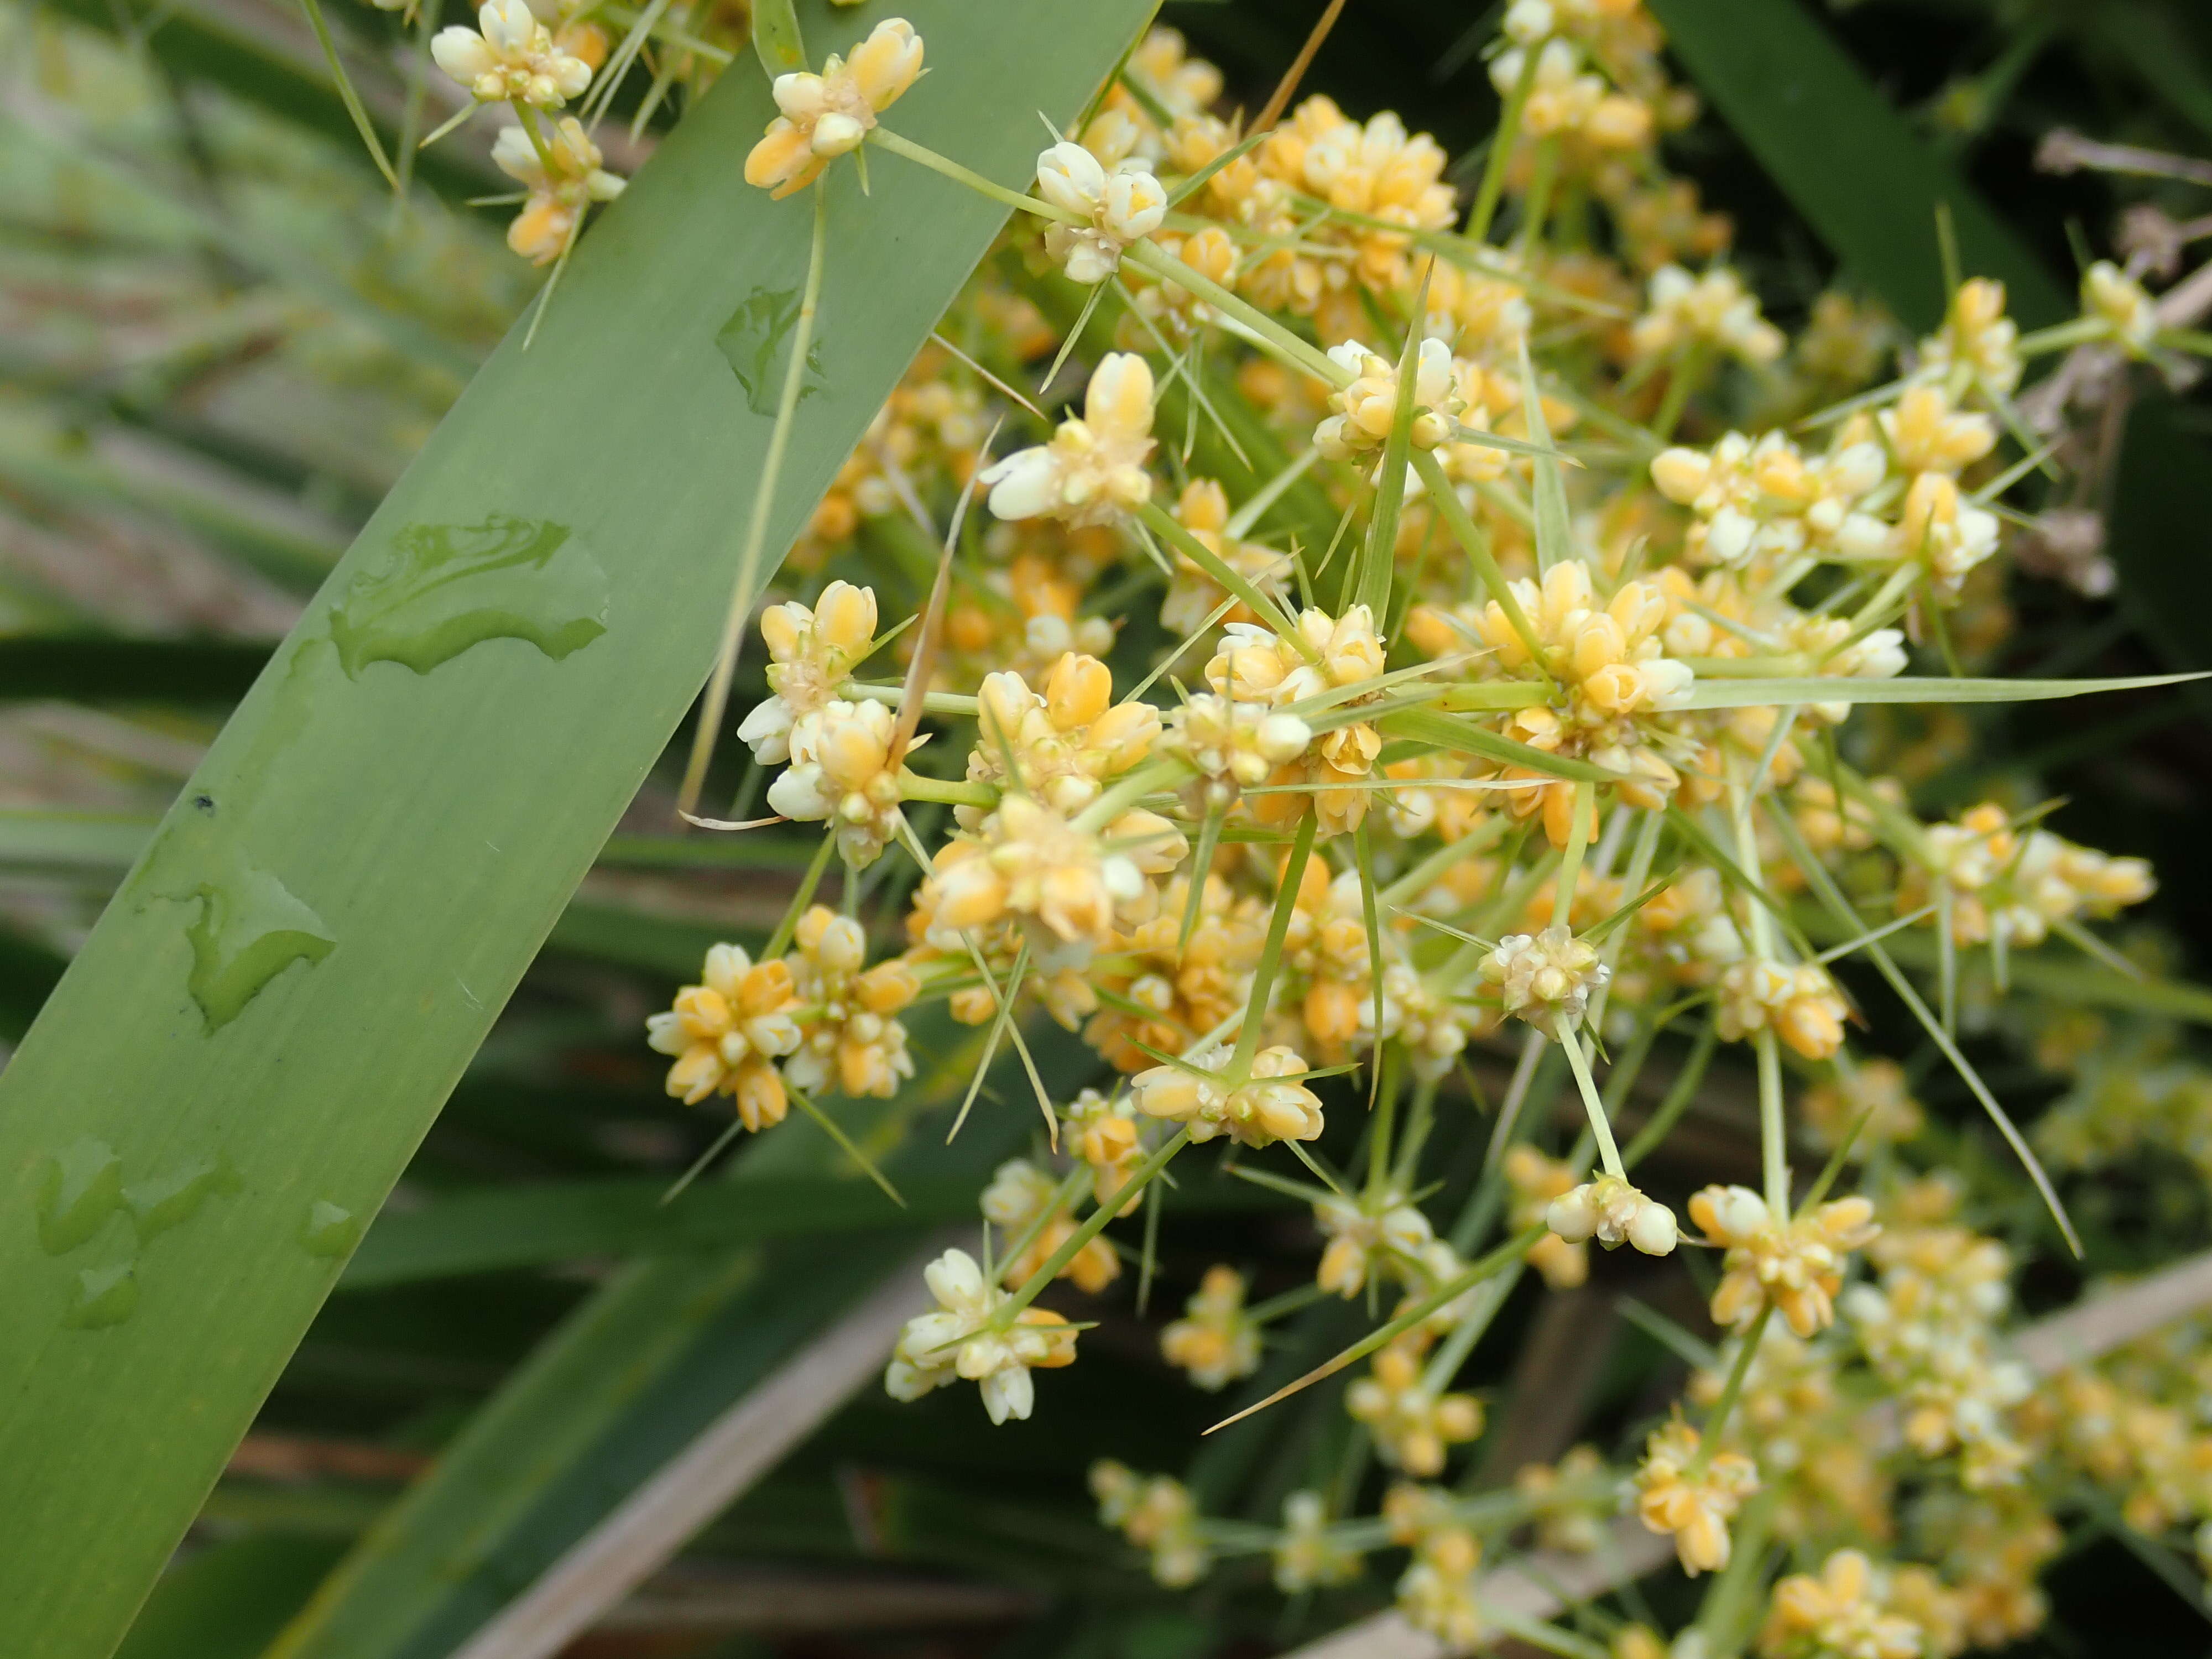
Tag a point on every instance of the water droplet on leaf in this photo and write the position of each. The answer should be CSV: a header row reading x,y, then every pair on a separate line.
x,y
162,1201
332,1229
250,928
79,1187
437,589
753,342
103,1297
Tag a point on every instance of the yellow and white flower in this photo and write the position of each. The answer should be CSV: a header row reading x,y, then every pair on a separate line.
x,y
965,1340
831,115
1123,206
1093,470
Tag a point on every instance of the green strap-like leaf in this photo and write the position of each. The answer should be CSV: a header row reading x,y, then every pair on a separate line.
x,y
292,979
1847,161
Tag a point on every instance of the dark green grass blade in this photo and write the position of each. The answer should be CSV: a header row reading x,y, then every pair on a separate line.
x,y
228,1601
542,1224
1847,161
102,668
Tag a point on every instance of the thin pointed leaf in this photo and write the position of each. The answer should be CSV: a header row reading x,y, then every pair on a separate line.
x,y
1911,689
1824,885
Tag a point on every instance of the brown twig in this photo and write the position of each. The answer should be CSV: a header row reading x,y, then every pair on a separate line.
x,y
1280,99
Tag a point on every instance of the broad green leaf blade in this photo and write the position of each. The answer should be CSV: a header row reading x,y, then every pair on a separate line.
x,y
540,1224
1768,694
1847,161
359,873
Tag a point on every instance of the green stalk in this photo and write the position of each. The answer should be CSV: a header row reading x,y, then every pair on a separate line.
x,y
1570,862
1093,1226
921,156
780,941
528,118
1277,340
1476,546
1609,1154
1774,1149
1501,148
347,95
1271,957
749,561
913,785
1173,532
1689,367
1536,205
1709,1431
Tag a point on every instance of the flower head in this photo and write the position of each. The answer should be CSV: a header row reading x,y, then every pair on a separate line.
x,y
826,115
811,649
1121,207
1614,1213
1155,1513
1796,1264
1801,1003
1215,1340
852,1037
1673,1495
1267,1107
559,195
1306,1555
1093,470
727,1033
1546,978
1714,310
1368,408
2118,301
966,1339
1412,1424
511,55
1023,1201
842,770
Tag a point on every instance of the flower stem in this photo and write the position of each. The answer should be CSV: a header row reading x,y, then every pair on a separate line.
x,y
1609,1154
1501,150
1476,546
1093,1226
1570,863
1271,959
922,155
1708,1432
1772,1135
1296,353
915,787
749,561
1682,379
780,941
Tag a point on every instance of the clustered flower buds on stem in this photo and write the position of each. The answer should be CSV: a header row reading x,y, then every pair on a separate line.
x,y
1297,804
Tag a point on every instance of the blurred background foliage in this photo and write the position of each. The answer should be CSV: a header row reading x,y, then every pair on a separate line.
x,y
220,341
